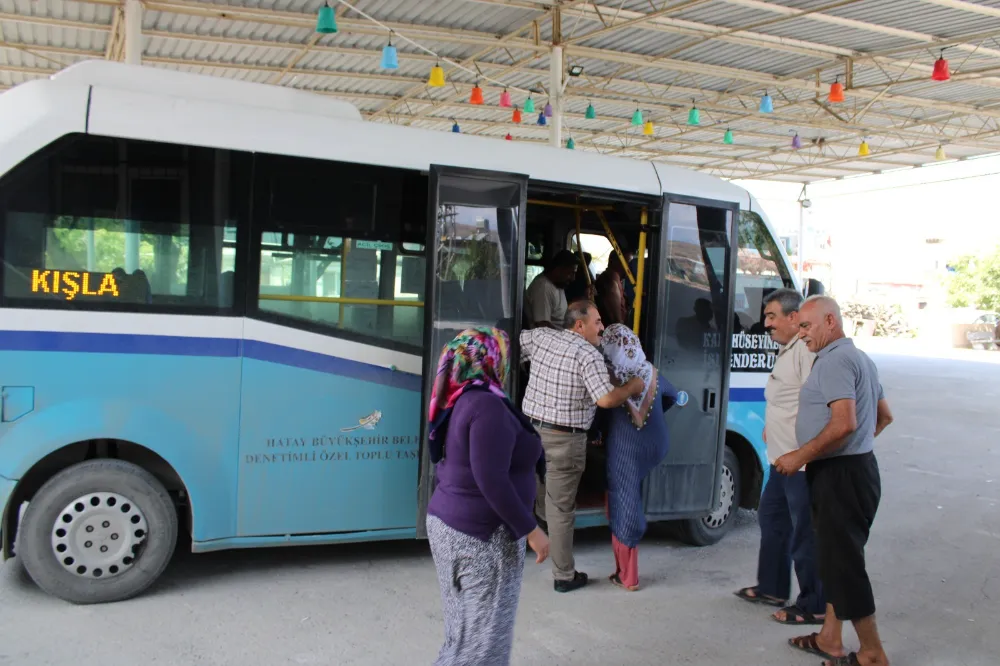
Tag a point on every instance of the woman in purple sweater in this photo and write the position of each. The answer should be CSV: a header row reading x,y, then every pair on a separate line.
x,y
480,515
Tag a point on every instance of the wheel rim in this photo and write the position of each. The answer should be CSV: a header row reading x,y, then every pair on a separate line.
x,y
99,535
727,497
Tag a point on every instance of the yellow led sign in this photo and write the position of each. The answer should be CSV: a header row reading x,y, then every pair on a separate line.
x,y
70,284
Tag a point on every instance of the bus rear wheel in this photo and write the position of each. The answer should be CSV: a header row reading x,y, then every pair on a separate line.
x,y
97,532
710,529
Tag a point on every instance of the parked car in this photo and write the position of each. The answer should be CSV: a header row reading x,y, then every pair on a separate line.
x,y
984,331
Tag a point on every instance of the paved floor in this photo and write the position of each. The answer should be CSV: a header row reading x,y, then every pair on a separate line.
x,y
933,557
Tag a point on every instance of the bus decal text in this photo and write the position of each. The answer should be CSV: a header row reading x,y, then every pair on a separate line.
x,y
70,284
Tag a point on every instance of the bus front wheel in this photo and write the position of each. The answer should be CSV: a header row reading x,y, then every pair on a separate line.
x,y
99,531
710,529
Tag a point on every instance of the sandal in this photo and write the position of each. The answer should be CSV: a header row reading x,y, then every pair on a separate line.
x,y
757,597
849,660
809,644
795,615
616,580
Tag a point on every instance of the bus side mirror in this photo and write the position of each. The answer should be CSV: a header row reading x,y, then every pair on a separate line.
x,y
814,288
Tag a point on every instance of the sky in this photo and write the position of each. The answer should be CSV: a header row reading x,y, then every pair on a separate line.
x,y
878,225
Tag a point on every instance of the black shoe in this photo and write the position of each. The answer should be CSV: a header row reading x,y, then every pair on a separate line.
x,y
579,580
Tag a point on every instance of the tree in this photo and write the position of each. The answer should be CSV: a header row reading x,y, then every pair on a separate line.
x,y
975,281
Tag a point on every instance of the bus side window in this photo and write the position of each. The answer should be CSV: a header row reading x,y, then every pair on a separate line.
x,y
96,223
759,270
339,251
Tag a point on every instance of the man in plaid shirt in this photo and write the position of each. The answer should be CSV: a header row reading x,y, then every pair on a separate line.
x,y
568,382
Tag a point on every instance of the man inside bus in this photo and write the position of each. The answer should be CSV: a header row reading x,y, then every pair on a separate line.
x,y
582,287
545,298
842,409
568,381
786,533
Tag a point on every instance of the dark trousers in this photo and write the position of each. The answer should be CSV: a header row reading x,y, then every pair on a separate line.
x,y
845,491
786,537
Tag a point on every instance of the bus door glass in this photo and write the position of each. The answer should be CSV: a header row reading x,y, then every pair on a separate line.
x,y
475,274
693,330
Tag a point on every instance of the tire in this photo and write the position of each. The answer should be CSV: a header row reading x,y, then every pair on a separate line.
x,y
710,529
97,532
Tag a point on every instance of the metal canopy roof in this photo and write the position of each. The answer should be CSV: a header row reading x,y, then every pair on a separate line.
x,y
662,56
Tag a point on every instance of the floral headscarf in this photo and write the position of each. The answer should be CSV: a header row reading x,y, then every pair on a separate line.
x,y
627,360
477,358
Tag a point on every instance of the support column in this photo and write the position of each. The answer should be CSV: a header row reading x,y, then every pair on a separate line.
x,y
555,95
133,32
556,79
802,238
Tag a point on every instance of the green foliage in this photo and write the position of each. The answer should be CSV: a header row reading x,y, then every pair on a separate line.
x,y
69,249
975,281
888,319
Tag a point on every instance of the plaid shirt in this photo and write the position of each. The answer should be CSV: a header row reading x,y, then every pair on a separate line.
x,y
568,376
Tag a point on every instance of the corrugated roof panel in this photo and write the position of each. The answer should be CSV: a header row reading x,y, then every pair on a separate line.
x,y
759,60
810,30
270,37
919,17
723,14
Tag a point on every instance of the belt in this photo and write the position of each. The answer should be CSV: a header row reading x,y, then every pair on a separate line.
x,y
560,428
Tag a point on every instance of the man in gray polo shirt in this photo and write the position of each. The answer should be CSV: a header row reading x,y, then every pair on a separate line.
x,y
842,409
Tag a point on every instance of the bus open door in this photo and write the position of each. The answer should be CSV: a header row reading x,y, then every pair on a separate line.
x,y
475,276
698,483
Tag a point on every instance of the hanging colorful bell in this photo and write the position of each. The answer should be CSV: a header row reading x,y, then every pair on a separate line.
x,y
505,101
508,137
864,149
694,116
326,20
941,71
516,116
390,59
547,110
727,138
529,105
836,92
571,144
766,104
796,141
647,128
591,112
476,97
541,118
939,154
455,128
436,79
637,118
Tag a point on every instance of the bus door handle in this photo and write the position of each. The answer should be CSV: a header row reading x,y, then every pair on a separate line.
x,y
710,398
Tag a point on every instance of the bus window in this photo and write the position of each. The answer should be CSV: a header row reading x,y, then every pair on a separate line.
x,y
335,256
534,259
598,246
759,270
96,223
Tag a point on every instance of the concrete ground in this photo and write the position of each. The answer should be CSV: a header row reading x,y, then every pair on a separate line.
x,y
933,559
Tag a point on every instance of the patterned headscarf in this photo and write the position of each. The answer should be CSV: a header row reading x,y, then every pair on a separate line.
x,y
475,358
627,360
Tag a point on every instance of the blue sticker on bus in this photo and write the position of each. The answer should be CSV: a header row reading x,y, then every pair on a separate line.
x,y
682,398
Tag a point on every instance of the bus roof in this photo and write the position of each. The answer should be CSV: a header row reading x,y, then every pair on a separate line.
x,y
155,104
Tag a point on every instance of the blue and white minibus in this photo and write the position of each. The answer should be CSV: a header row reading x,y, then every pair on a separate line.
x,y
221,303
